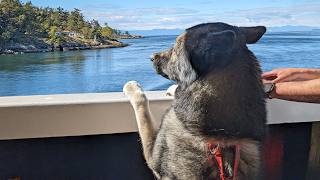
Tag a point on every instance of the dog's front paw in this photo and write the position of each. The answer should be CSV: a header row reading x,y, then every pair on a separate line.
x,y
171,90
134,92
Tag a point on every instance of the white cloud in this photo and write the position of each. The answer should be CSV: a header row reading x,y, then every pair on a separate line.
x,y
168,19
172,18
307,14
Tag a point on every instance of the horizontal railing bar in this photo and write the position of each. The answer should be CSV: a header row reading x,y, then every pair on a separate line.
x,y
107,113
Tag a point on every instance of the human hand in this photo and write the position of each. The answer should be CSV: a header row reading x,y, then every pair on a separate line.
x,y
282,75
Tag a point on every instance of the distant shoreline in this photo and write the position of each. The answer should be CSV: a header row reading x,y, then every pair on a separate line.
x,y
76,48
39,47
130,37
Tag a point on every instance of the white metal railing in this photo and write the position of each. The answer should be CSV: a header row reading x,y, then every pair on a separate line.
x,y
106,113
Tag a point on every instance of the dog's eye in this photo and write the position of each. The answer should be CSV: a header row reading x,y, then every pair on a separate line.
x,y
155,56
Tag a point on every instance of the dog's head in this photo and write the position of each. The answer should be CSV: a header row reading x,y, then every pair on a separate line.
x,y
203,48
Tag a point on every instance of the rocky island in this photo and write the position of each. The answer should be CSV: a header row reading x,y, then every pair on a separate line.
x,y
25,28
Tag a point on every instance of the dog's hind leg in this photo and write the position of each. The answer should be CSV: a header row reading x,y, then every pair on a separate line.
x,y
143,115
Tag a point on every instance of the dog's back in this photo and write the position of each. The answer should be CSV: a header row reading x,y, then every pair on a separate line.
x,y
177,154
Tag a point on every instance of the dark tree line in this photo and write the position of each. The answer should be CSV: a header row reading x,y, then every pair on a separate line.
x,y
18,19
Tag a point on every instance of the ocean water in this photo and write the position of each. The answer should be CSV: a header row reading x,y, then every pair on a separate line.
x,y
107,70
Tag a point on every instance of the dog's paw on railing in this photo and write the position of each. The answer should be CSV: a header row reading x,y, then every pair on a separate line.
x,y
171,90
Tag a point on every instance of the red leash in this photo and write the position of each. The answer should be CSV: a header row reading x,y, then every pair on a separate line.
x,y
215,150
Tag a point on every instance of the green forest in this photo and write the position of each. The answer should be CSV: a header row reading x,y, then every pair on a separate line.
x,y
20,21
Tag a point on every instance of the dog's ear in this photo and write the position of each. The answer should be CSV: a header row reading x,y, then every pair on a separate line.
x,y
253,34
221,41
211,50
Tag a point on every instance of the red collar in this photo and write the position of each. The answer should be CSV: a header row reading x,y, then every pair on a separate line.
x,y
215,153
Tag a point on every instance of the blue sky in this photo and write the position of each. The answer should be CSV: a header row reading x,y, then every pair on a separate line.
x,y
171,14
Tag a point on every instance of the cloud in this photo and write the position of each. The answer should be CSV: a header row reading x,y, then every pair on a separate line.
x,y
306,14
99,6
172,18
167,19
142,18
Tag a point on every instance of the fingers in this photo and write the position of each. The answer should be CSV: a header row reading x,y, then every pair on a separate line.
x,y
277,75
269,74
276,80
264,81
270,77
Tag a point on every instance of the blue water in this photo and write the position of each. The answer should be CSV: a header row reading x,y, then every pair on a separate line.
x,y
107,70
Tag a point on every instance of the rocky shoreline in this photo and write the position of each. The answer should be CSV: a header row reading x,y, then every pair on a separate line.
x,y
9,51
28,44
130,37
22,49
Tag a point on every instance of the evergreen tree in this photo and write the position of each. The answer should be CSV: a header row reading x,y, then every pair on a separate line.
x,y
55,36
29,18
96,29
12,18
106,31
75,21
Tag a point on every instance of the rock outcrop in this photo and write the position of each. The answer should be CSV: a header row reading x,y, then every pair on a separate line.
x,y
31,44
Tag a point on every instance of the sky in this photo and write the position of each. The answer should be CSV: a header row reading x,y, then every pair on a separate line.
x,y
180,14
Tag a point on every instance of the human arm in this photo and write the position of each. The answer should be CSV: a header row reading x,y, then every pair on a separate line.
x,y
301,91
290,74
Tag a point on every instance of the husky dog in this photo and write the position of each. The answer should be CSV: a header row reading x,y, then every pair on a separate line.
x,y
219,101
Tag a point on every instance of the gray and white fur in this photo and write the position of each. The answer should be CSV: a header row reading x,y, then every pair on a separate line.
x,y
219,99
